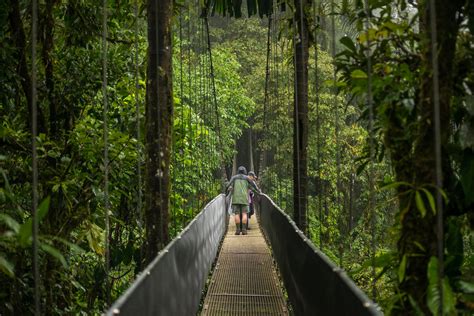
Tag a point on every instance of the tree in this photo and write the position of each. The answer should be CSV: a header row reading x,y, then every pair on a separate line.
x,y
300,116
403,98
158,125
418,228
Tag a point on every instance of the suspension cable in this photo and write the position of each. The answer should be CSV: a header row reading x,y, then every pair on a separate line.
x,y
371,146
106,148
296,111
193,97
266,92
189,92
337,132
438,167
181,114
201,111
34,132
208,120
219,138
137,114
318,122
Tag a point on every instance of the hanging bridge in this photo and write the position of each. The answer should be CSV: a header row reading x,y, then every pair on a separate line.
x,y
206,269
245,280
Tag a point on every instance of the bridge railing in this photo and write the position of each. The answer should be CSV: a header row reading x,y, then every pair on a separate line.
x,y
315,285
173,283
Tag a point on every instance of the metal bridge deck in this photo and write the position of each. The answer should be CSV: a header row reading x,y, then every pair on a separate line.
x,y
244,281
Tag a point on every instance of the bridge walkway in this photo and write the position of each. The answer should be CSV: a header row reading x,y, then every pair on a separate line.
x,y
244,281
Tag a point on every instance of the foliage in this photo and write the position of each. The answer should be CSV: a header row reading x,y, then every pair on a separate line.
x,y
397,78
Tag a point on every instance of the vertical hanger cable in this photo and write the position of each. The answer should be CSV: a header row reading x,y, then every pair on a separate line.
x,y
34,132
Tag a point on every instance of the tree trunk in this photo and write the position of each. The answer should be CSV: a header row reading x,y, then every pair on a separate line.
x,y
19,39
244,154
48,44
300,118
158,125
417,230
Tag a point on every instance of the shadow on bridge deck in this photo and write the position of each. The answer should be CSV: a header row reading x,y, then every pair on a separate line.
x,y
244,281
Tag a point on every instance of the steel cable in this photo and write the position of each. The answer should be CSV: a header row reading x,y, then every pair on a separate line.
x,y
438,166
138,119
34,132
337,127
318,123
106,149
370,105
213,85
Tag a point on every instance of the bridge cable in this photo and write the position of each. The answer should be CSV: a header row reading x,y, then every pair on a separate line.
x,y
266,93
289,114
438,166
201,113
296,121
337,127
370,105
277,80
34,132
192,108
138,119
205,117
213,85
187,125
175,157
319,206
106,150
208,108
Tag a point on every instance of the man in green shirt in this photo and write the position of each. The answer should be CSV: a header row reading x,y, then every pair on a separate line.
x,y
240,185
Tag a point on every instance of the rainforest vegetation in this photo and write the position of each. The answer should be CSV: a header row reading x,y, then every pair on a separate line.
x,y
331,103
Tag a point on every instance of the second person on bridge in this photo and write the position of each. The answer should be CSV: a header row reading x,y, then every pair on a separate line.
x,y
239,186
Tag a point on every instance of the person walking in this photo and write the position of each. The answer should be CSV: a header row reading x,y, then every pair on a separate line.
x,y
251,195
239,185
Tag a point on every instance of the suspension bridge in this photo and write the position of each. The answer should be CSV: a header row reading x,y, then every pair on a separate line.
x,y
245,280
205,269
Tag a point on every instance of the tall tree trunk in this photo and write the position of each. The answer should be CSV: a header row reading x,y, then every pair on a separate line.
x,y
300,118
417,230
19,39
158,124
48,44
243,150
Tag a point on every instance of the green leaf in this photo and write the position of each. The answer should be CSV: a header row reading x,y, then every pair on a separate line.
x,y
420,204
10,222
449,299
43,208
54,252
431,200
415,306
393,26
358,74
466,287
433,297
402,268
394,185
25,233
347,41
26,229
7,267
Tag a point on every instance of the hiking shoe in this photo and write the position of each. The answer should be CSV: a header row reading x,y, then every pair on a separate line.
x,y
237,232
244,232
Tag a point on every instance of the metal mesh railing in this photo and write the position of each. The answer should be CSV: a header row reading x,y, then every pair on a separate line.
x,y
315,285
172,284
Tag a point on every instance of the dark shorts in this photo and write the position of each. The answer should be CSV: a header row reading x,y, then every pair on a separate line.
x,y
238,208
